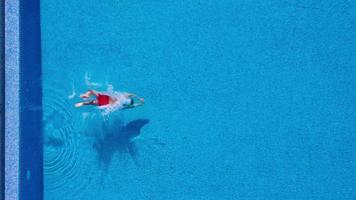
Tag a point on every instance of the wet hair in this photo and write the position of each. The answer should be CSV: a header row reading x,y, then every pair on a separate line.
x,y
132,102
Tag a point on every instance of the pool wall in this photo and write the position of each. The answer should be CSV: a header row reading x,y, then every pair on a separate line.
x,y
31,153
24,170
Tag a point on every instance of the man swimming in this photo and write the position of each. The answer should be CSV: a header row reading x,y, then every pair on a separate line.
x,y
126,100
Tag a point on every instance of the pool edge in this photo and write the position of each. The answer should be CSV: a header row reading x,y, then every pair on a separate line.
x,y
12,68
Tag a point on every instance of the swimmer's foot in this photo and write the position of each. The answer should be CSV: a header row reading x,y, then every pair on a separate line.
x,y
80,104
85,95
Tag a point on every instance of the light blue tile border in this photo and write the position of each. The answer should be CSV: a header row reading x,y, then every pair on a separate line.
x,y
11,99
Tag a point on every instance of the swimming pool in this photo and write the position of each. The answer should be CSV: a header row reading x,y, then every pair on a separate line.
x,y
244,100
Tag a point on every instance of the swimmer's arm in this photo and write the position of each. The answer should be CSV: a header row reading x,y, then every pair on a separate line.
x,y
142,101
130,95
139,104
134,105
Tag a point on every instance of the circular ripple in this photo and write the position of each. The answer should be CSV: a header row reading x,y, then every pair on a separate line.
x,y
65,167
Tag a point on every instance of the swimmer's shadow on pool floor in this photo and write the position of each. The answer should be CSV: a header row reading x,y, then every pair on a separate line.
x,y
117,137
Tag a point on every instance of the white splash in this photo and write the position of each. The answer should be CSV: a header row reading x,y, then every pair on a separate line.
x,y
107,109
88,81
73,92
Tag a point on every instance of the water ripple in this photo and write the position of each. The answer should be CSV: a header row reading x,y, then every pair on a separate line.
x,y
64,162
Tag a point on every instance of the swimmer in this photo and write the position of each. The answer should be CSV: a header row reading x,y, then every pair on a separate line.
x,y
126,100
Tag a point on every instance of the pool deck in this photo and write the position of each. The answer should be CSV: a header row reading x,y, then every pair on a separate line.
x,y
11,101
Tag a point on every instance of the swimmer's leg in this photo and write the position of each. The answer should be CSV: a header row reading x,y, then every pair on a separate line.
x,y
80,104
89,93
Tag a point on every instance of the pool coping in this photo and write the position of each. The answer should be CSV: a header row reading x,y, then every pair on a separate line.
x,y
12,85
2,98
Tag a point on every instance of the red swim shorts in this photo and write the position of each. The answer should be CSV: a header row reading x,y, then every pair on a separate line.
x,y
103,99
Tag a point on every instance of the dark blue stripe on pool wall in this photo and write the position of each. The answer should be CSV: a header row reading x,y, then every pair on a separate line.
x,y
31,156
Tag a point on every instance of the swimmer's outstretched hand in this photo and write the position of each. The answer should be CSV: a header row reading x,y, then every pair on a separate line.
x,y
142,100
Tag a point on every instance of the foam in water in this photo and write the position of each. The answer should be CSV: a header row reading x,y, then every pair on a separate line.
x,y
71,96
107,109
89,83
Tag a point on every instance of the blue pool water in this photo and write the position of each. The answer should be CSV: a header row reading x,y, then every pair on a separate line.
x,y
244,99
